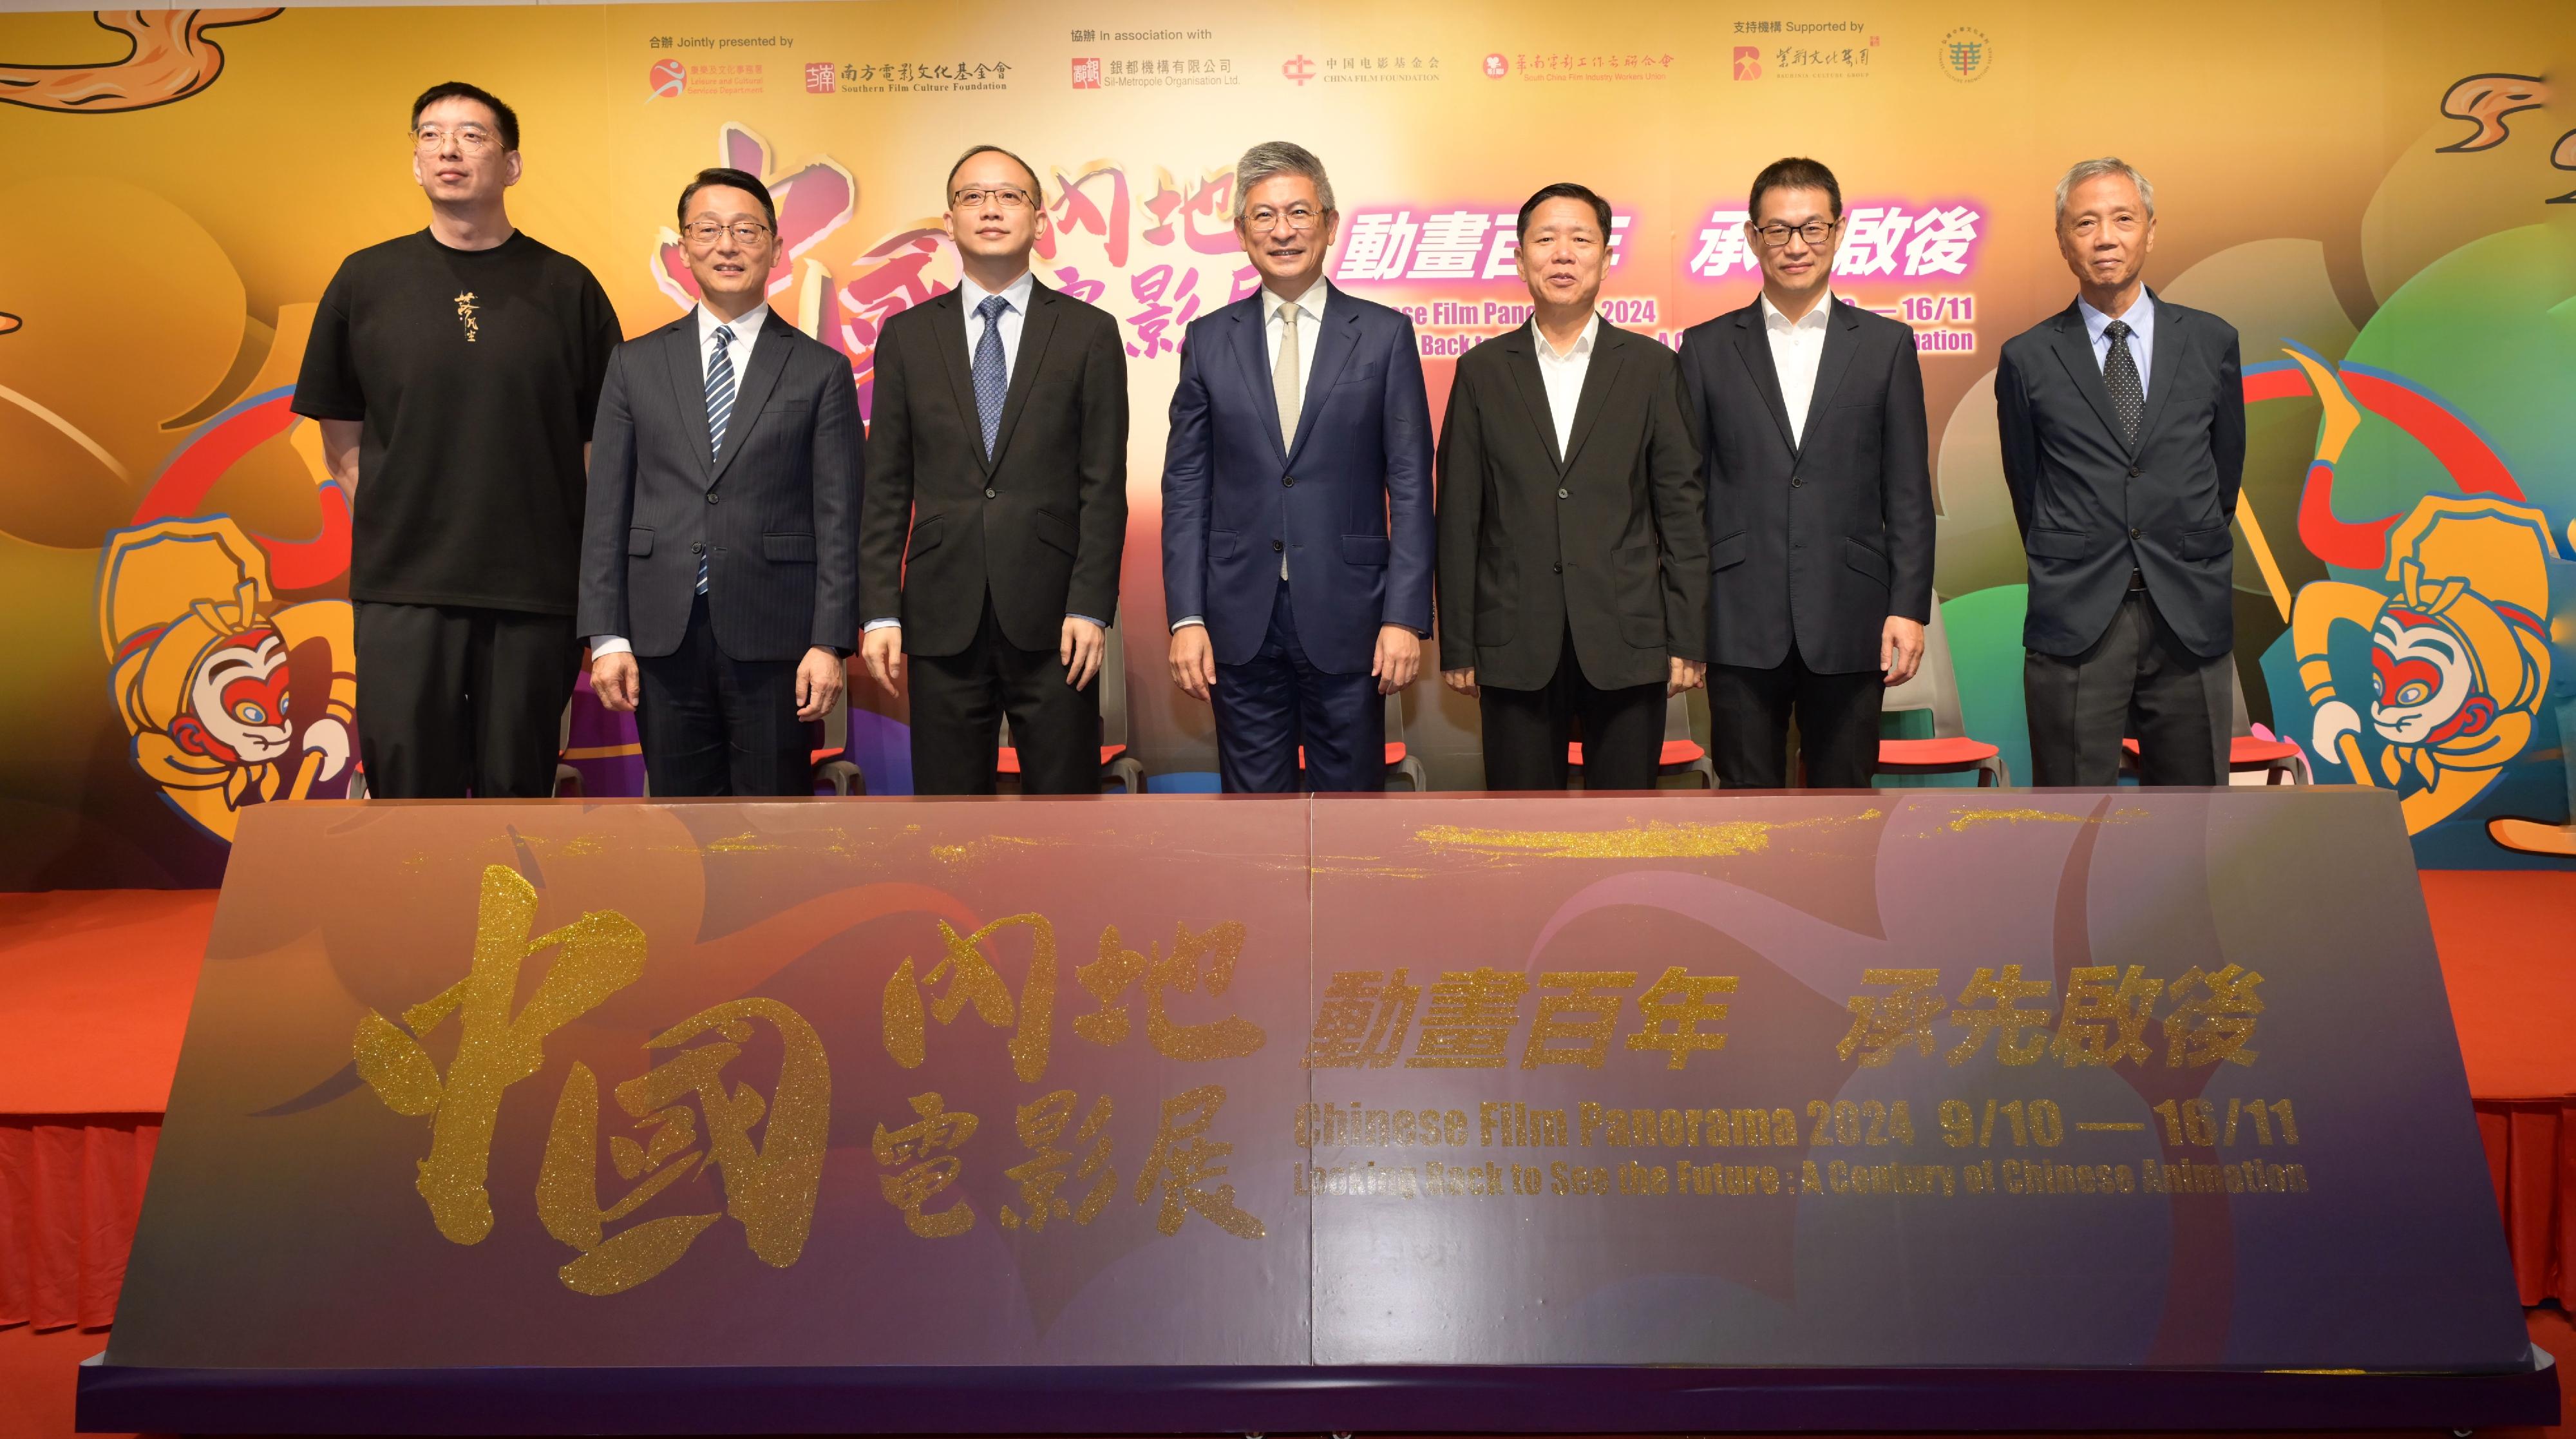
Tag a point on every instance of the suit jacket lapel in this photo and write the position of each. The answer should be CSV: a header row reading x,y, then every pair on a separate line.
x,y
768,358
1035,327
1753,347
1335,341
1522,349
689,386
1842,340
954,359
1609,352
2075,351
1252,347
2164,358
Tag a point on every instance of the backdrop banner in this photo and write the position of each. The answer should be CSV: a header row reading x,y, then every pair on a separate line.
x,y
988,1104
2377,196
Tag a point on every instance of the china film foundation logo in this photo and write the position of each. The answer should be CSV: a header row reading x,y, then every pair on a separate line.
x,y
1966,54
669,80
1748,62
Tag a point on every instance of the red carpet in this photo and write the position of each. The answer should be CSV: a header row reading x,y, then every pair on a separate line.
x,y
95,988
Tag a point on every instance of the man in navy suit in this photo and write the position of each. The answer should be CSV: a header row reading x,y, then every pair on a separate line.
x,y
1297,530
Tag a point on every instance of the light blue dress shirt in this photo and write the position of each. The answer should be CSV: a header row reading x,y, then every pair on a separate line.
x,y
2141,320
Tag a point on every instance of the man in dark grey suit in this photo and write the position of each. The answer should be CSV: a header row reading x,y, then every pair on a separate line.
x,y
1810,414
1573,551
2123,423
720,569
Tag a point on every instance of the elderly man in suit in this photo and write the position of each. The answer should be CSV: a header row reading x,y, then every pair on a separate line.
x,y
1573,550
997,502
1297,528
1810,410
2123,420
720,563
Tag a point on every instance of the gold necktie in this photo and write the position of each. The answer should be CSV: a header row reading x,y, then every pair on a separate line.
x,y
1283,374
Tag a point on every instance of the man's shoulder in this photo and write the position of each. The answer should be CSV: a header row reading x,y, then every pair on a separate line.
x,y
1082,315
2199,324
903,322
2020,348
402,252
1717,327
1875,325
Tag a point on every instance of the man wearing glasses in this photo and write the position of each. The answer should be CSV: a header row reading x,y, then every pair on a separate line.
x,y
997,503
455,373
1819,501
1297,528
720,560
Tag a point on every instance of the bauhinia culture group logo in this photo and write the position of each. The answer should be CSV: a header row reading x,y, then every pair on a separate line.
x,y
1966,54
669,79
1748,62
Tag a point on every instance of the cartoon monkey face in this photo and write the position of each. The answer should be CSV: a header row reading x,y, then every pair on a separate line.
x,y
237,702
2420,678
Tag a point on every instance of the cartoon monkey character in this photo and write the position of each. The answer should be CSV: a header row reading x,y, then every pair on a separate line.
x,y
231,699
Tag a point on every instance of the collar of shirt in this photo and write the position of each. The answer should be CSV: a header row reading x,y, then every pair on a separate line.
x,y
2140,318
1814,319
973,296
746,329
1582,345
1310,305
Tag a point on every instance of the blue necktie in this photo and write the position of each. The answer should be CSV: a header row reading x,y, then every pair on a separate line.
x,y
992,378
719,409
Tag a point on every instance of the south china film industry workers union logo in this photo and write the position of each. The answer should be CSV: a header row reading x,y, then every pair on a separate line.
x,y
1966,54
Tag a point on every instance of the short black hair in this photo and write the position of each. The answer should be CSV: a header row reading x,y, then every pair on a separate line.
x,y
1795,173
1565,190
742,180
1038,186
502,115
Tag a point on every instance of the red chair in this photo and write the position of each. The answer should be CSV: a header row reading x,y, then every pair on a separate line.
x,y
1935,687
2279,761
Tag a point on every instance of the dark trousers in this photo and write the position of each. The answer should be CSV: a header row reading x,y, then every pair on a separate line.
x,y
456,701
1273,704
960,700
1748,720
1527,731
2136,681
715,725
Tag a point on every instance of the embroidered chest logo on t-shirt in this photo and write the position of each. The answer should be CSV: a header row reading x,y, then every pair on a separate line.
x,y
465,311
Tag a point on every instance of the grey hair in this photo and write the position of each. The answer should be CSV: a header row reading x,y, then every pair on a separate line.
x,y
2095,169
1278,157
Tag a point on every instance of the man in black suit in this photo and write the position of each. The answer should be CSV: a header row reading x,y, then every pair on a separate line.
x,y
1000,453
1810,414
1573,551
720,562
2123,422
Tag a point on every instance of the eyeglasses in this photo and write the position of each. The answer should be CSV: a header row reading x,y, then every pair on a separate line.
x,y
472,139
707,234
1813,232
1009,197
1300,218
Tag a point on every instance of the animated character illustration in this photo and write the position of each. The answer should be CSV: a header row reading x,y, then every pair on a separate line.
x,y
232,699
168,57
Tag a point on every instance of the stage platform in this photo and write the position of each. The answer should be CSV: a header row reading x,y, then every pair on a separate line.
x,y
95,988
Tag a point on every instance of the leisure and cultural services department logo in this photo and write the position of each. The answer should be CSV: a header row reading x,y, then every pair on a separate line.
x,y
1966,54
1748,62
669,80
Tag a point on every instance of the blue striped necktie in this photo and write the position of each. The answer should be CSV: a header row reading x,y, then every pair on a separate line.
x,y
719,409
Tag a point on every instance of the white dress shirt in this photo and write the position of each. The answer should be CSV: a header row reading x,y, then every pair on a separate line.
x,y
1563,377
1797,347
2141,320
745,331
1310,325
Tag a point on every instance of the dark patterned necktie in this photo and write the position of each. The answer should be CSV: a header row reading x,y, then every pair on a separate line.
x,y
2120,374
992,378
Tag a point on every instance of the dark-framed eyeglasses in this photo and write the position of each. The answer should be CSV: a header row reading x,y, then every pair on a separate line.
x,y
1814,232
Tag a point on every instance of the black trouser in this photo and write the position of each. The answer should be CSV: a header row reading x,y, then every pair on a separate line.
x,y
958,704
2136,681
713,724
455,700
1526,731
1748,721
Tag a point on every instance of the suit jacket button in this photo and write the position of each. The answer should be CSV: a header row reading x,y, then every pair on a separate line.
x,y
2133,534
1564,494
697,547
988,492
1797,480
711,497
1276,547
1287,481
2133,472
1556,569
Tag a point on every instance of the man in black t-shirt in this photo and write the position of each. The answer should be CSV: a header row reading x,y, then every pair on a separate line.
x,y
455,373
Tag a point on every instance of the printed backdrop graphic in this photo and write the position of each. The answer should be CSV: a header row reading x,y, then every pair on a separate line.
x,y
2381,199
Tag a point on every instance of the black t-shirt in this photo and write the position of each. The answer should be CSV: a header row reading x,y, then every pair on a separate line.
x,y
477,375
